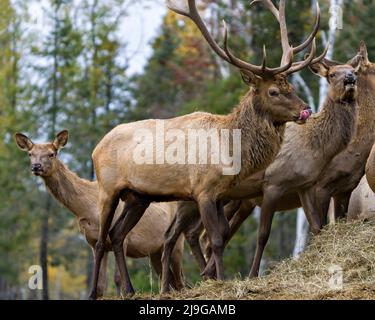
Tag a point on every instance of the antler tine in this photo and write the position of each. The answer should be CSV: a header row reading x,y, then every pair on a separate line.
x,y
182,11
192,13
322,56
238,62
283,32
262,70
264,62
281,18
287,65
315,60
306,43
269,5
302,64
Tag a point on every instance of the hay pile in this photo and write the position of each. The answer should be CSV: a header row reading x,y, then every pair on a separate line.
x,y
349,246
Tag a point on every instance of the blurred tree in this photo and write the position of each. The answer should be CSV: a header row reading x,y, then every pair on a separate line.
x,y
14,214
179,70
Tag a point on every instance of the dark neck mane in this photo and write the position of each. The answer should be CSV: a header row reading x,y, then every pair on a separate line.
x,y
261,137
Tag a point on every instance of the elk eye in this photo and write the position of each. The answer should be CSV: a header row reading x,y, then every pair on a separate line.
x,y
332,75
51,155
273,92
29,154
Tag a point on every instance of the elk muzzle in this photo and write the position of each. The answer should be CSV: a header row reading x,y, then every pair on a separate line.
x,y
36,168
350,81
350,87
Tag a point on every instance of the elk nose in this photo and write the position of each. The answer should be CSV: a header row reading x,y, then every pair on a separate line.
x,y
350,78
35,167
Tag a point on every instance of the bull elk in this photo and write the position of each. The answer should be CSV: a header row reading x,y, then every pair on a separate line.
x,y
80,196
260,117
288,181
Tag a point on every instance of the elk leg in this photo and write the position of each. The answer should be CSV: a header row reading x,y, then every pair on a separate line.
x,y
156,262
210,271
117,276
341,205
176,264
270,197
307,200
243,212
231,208
103,281
171,236
192,230
108,205
192,237
133,211
117,280
224,225
183,221
322,200
213,223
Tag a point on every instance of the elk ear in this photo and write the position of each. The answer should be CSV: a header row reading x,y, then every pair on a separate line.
x,y
363,51
61,139
319,68
250,78
361,58
23,142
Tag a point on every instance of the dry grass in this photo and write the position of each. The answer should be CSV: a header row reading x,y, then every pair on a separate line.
x,y
351,246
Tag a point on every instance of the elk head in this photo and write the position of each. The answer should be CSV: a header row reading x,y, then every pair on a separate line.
x,y
366,69
342,80
360,60
43,156
271,91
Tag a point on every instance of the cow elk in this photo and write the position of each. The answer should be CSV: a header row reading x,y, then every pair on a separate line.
x,y
260,117
345,171
370,169
362,202
80,196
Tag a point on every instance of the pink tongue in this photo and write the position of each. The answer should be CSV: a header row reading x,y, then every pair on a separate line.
x,y
304,115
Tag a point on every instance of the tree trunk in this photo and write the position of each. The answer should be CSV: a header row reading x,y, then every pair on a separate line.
x,y
302,228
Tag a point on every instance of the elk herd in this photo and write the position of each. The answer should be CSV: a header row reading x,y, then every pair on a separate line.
x,y
289,158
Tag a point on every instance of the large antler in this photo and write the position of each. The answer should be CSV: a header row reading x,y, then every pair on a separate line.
x,y
281,18
287,66
263,71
